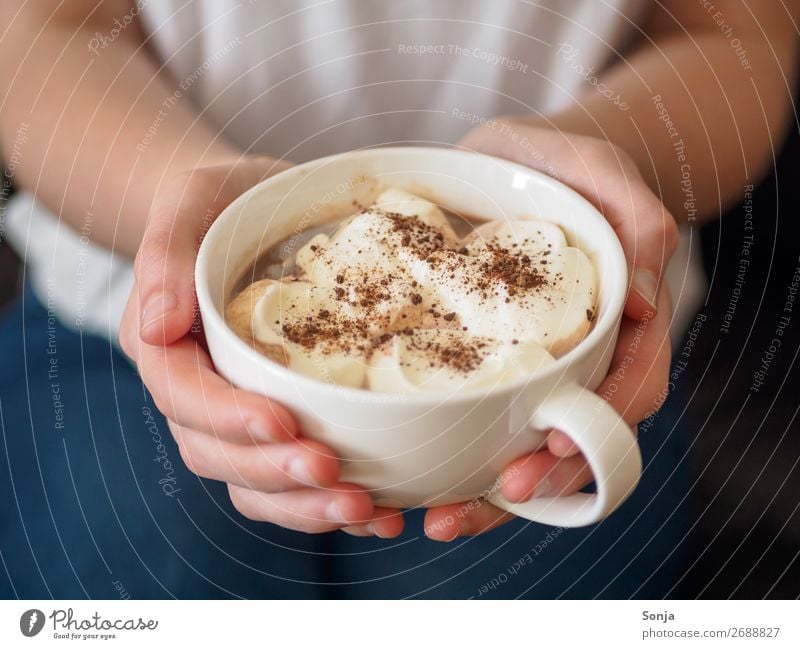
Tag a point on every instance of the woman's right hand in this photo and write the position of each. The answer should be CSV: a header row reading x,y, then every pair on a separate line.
x,y
273,473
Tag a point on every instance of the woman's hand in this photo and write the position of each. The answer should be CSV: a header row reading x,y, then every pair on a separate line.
x,y
605,175
273,473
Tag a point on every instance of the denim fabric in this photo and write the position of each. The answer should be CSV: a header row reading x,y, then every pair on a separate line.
x,y
95,502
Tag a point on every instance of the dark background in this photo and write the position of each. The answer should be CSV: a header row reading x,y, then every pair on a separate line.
x,y
746,450
745,445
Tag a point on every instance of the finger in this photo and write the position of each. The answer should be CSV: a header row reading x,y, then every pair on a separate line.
x,y
638,379
635,386
448,522
270,468
165,261
607,177
306,510
542,474
128,337
184,208
386,524
185,387
647,231
637,382
561,445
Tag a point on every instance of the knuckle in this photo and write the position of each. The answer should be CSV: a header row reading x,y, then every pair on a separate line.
x,y
162,403
193,458
661,393
656,225
242,504
671,233
167,204
246,502
662,231
181,184
125,346
658,386
178,433
127,335
163,212
123,340
154,250
660,377
618,153
596,151
182,180
606,154
498,125
620,156
238,502
185,454
314,449
308,524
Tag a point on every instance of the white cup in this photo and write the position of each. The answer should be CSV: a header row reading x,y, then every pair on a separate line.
x,y
427,450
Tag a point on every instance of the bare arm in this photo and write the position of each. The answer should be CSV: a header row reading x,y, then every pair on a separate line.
x,y
724,73
88,115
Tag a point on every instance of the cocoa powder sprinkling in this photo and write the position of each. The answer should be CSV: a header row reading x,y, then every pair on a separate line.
x,y
459,354
359,321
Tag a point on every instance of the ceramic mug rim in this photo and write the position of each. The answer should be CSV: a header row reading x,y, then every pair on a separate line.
x,y
615,285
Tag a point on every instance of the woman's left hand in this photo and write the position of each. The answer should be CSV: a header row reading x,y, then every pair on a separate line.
x,y
606,176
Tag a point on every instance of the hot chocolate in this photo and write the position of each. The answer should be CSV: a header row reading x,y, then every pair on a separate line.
x,y
391,299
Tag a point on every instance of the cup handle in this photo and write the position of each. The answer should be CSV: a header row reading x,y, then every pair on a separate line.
x,y
607,443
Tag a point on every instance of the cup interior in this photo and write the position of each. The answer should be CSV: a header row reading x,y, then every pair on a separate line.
x,y
282,207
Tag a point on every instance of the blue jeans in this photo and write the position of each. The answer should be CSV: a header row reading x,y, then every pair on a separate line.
x,y
95,503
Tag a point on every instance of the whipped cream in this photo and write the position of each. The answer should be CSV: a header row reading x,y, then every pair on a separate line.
x,y
322,336
449,360
393,301
518,277
378,242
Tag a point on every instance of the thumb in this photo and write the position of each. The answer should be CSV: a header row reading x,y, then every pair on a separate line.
x,y
649,236
180,216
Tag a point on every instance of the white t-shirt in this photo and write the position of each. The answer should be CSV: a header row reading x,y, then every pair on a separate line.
x,y
303,79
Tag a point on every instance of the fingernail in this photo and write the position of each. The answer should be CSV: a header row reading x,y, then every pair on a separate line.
x,y
156,307
334,514
365,530
298,469
456,533
645,283
543,489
